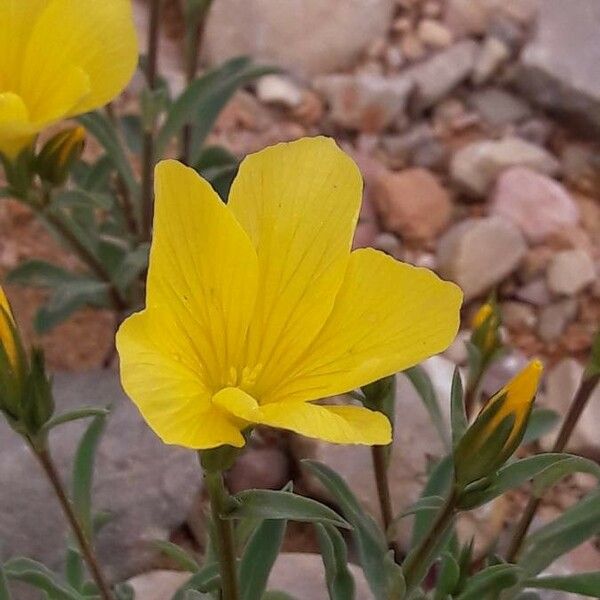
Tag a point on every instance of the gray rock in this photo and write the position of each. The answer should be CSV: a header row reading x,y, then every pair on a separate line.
x,y
538,205
433,33
146,486
479,253
158,585
559,67
498,107
516,315
277,89
365,102
535,292
571,271
276,32
561,384
436,77
476,166
494,52
555,318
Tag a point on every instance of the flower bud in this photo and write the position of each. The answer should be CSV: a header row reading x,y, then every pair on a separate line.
x,y
498,429
486,329
59,153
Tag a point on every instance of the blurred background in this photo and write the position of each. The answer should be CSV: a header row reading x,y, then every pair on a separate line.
x,y
476,126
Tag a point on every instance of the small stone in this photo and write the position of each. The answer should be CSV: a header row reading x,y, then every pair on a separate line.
x,y
365,102
412,47
433,33
536,130
493,53
561,384
259,467
581,167
388,243
401,148
538,205
479,253
277,89
536,263
436,77
516,315
476,166
570,272
467,16
507,30
413,203
535,292
431,9
557,67
159,584
394,58
498,107
555,318
276,32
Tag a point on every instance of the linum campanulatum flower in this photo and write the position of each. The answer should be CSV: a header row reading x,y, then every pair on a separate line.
x,y
258,307
58,59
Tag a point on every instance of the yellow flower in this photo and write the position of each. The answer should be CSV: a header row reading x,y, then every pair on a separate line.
x,y
485,326
499,427
258,307
7,332
60,58
482,315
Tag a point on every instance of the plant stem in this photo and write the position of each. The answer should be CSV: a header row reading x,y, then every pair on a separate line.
x,y
383,492
577,407
223,535
416,565
148,138
87,257
87,551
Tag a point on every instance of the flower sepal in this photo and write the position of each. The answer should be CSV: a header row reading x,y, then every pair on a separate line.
x,y
19,171
58,154
221,458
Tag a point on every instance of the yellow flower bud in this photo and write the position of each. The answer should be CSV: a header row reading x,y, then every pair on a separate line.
x,y
485,324
499,427
7,332
59,153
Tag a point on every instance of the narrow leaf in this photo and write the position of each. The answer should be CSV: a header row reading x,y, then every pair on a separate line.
x,y
340,581
458,416
259,557
541,422
586,584
271,504
185,560
74,415
490,581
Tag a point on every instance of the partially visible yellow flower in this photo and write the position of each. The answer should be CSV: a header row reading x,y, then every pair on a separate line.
x,y
59,153
7,332
499,427
485,310
258,307
59,59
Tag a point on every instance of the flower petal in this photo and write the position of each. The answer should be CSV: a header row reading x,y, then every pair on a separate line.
x,y
200,295
166,389
388,316
336,424
15,131
95,37
299,204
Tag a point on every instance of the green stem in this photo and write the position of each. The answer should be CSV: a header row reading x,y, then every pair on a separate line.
x,y
417,564
223,535
582,397
380,467
87,551
148,137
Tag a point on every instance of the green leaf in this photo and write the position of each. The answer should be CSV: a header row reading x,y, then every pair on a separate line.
x,y
592,369
68,298
176,553
577,524
272,504
369,539
547,468
541,422
123,591
218,166
448,577
340,581
422,383
4,591
73,415
490,581
194,595
423,504
83,471
39,273
132,266
259,557
458,416
438,484
85,198
206,580
131,126
35,574
74,569
102,129
586,584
